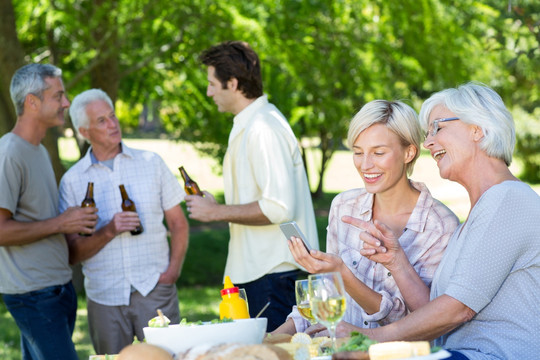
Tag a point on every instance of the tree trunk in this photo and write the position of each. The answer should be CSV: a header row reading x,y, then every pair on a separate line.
x,y
105,75
304,158
51,143
11,58
6,116
326,154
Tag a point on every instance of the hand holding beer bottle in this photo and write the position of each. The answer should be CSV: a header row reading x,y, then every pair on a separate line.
x,y
129,205
190,185
88,201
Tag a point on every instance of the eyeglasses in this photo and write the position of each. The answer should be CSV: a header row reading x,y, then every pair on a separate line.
x,y
434,129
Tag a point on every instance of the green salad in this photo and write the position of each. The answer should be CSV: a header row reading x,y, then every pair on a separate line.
x,y
357,342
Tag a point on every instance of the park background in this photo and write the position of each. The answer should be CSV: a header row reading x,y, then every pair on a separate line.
x,y
321,61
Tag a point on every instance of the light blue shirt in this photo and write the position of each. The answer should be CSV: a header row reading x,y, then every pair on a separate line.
x,y
492,265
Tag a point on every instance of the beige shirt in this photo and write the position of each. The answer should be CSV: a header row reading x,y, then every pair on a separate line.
x,y
263,163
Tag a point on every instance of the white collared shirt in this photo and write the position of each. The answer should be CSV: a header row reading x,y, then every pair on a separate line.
x,y
126,260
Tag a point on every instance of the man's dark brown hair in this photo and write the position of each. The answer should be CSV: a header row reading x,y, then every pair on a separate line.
x,y
235,59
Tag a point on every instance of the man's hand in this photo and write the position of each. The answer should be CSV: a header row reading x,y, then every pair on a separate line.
x,y
81,248
124,221
201,208
78,220
169,276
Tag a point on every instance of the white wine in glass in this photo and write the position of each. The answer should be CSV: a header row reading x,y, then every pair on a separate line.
x,y
302,300
327,297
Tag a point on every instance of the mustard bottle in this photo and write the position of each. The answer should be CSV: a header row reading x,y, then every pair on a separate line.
x,y
232,306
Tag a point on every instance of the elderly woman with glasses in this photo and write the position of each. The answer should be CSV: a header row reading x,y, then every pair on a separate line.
x,y
485,296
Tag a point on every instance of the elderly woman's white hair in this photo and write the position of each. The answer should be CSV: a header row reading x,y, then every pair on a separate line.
x,y
396,116
77,110
477,104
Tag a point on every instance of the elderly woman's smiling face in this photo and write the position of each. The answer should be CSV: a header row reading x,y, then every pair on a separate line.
x,y
450,142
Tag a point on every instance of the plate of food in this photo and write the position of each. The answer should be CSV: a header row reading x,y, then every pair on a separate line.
x,y
360,347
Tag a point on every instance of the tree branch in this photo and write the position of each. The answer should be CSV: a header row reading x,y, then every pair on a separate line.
x,y
162,50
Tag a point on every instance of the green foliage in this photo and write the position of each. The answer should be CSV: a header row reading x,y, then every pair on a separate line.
x,y
321,60
528,148
515,42
199,302
9,335
528,144
205,259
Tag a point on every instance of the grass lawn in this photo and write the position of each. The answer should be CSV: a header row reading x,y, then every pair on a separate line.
x,y
196,303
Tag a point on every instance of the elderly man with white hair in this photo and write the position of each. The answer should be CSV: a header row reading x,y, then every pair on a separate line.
x,y
127,277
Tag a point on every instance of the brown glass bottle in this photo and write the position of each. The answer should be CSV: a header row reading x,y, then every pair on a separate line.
x,y
88,201
190,185
129,205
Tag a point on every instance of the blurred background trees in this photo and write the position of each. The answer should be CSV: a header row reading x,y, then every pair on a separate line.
x,y
321,60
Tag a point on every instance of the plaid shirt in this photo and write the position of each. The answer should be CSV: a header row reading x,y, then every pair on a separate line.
x,y
126,261
424,240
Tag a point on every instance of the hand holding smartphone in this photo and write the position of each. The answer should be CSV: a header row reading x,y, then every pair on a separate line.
x,y
291,229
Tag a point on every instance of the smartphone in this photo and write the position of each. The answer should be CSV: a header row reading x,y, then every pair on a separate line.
x,y
291,229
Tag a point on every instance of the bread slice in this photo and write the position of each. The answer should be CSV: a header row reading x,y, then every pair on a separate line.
x,y
235,352
398,350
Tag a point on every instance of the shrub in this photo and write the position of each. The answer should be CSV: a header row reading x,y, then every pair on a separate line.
x,y
528,144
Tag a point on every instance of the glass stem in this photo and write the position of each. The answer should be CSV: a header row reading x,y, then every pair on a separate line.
x,y
332,332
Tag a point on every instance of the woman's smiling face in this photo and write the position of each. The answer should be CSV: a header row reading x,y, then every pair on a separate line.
x,y
451,147
380,158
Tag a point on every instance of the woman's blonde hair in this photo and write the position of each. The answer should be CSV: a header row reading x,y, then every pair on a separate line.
x,y
396,116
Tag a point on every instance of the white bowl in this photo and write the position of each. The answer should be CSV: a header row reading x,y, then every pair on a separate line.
x,y
177,338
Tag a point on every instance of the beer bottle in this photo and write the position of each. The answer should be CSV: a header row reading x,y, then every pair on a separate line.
x,y
129,205
190,185
88,201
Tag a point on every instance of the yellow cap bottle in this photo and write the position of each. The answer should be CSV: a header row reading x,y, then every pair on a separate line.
x,y
232,306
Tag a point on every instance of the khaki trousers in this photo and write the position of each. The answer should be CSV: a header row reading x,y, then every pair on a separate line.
x,y
114,327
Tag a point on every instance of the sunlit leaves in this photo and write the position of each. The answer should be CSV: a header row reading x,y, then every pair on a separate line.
x,y
321,60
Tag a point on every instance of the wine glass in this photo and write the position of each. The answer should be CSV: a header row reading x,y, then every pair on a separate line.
x,y
302,300
327,297
242,294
